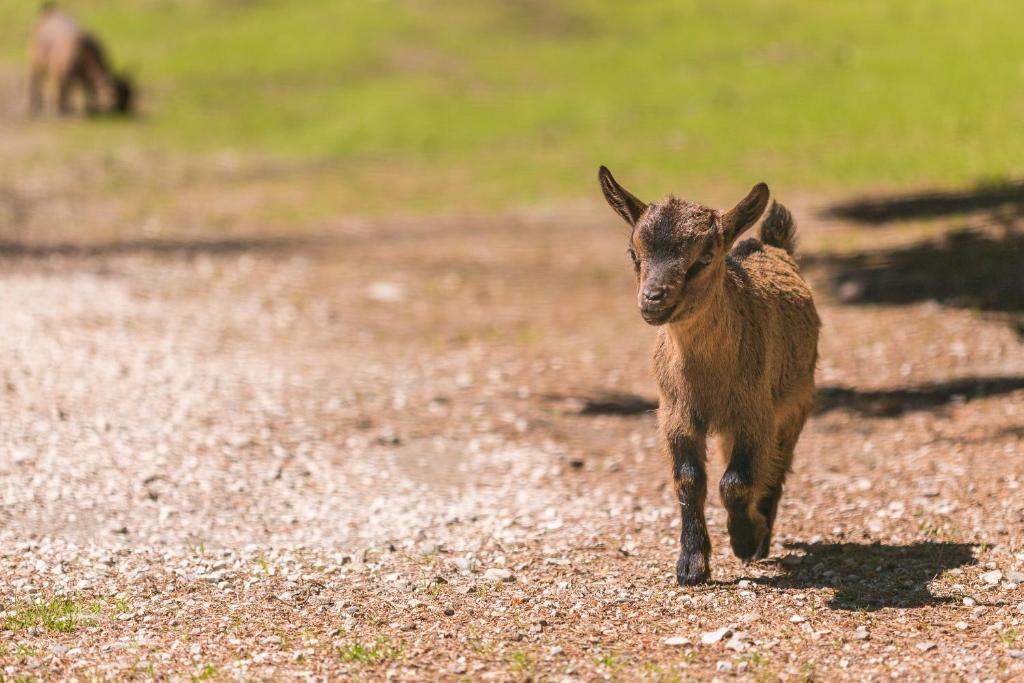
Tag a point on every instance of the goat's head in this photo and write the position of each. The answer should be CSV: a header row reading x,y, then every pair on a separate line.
x,y
678,248
124,94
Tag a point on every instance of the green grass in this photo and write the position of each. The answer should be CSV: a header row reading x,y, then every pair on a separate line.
x,y
206,673
380,651
520,664
466,102
58,615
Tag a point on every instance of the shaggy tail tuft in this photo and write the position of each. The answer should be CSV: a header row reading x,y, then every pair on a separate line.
x,y
778,229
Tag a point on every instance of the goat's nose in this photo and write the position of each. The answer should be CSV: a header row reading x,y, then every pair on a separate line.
x,y
655,295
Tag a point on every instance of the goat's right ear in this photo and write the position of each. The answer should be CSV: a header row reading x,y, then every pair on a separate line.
x,y
624,203
745,214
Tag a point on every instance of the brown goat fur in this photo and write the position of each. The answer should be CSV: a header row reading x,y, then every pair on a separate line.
x,y
735,356
62,57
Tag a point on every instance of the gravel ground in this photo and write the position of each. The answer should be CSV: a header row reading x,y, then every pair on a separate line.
x,y
425,450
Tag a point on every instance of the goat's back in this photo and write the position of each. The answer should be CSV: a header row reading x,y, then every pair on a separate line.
x,y
779,321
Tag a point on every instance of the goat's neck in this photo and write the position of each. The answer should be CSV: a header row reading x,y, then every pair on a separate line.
x,y
710,331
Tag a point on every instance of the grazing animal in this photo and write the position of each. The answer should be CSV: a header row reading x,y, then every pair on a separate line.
x,y
63,56
735,356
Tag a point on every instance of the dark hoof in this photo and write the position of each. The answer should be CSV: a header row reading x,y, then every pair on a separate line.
x,y
692,570
763,548
748,539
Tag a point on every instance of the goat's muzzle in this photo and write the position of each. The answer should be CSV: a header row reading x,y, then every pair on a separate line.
x,y
656,304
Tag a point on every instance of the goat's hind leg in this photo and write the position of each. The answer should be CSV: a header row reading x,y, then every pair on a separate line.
x,y
768,505
36,82
746,481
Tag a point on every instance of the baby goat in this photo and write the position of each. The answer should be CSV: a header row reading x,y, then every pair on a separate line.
x,y
735,356
63,53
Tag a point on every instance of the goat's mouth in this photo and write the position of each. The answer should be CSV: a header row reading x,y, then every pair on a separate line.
x,y
657,316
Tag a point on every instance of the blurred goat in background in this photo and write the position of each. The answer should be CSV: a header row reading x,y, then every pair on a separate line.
x,y
63,56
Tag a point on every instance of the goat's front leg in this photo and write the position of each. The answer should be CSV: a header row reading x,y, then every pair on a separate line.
x,y
744,484
689,454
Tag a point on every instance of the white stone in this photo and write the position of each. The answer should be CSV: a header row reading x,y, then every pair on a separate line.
x,y
712,637
497,574
677,641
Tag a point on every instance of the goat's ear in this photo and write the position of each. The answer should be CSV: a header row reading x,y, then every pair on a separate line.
x,y
739,218
624,203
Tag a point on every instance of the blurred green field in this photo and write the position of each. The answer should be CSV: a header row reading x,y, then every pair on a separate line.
x,y
518,101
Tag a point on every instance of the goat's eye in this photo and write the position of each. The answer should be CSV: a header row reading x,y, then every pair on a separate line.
x,y
705,259
633,256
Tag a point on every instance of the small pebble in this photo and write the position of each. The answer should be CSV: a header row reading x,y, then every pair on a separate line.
x,y
992,578
738,642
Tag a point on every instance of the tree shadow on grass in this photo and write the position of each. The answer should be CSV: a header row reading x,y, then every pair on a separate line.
x,y
931,396
979,265
1003,197
155,247
871,576
966,268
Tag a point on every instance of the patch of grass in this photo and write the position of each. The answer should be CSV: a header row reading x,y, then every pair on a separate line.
x,y
196,549
149,670
21,651
479,645
58,615
758,666
520,663
608,661
120,605
480,103
1008,636
381,650
206,673
659,673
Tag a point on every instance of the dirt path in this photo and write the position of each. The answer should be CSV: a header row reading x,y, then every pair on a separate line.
x,y
424,449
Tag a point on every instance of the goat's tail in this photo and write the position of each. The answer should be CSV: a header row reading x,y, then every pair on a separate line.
x,y
778,229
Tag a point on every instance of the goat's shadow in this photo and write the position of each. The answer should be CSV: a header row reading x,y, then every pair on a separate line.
x,y
870,576
870,403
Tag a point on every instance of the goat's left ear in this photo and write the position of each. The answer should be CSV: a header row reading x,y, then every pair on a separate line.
x,y
619,198
738,219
